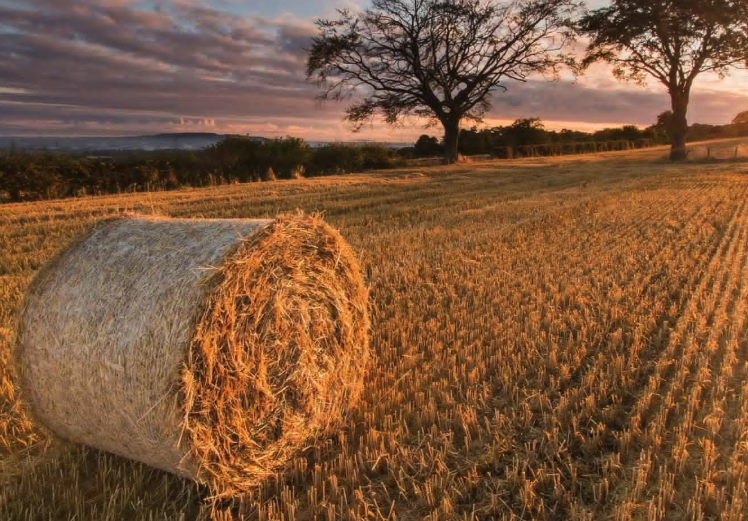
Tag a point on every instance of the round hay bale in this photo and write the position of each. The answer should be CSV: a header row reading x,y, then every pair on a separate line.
x,y
212,349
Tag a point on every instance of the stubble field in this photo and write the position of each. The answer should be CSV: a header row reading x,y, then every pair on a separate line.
x,y
561,338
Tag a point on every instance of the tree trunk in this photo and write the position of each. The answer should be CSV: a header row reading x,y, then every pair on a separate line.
x,y
679,126
451,135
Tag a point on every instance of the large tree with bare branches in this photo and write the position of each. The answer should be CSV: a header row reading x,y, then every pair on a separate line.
x,y
435,59
673,41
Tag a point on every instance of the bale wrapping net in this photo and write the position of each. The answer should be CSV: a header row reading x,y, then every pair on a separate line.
x,y
212,349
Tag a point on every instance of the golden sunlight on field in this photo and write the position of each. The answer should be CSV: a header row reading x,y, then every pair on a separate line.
x,y
557,338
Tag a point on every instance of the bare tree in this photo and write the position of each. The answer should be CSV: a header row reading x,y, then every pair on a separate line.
x,y
673,41
435,59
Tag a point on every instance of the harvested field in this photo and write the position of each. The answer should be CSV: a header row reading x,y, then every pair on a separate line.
x,y
560,338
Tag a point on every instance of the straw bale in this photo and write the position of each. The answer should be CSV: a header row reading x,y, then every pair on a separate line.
x,y
212,349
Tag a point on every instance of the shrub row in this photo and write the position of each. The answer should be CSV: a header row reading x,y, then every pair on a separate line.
x,y
572,148
30,176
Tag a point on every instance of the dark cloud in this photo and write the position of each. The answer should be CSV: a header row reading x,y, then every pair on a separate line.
x,y
112,66
564,100
182,59
296,39
608,102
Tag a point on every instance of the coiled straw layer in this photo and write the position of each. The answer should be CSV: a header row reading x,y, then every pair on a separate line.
x,y
215,350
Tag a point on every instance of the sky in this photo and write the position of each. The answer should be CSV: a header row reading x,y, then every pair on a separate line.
x,y
132,67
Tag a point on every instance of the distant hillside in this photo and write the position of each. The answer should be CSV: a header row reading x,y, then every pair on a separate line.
x,y
180,141
166,141
188,135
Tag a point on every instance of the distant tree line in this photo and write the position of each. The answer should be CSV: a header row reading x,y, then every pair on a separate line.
x,y
529,137
50,175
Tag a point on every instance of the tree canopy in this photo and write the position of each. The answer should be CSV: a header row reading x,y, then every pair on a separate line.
x,y
435,59
673,41
741,118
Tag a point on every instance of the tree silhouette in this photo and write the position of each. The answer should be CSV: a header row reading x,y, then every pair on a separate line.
x,y
427,146
673,41
435,59
741,118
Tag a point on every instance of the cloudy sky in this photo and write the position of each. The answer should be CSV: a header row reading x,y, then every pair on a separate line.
x,y
123,67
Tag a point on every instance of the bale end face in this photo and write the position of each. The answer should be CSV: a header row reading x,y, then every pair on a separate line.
x,y
279,352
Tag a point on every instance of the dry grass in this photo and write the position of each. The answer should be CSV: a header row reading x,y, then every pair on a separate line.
x,y
725,150
560,338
